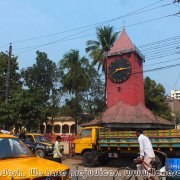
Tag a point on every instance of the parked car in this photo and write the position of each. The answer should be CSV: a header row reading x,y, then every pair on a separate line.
x,y
39,145
17,162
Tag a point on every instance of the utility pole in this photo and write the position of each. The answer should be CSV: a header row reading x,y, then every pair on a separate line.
x,y
8,73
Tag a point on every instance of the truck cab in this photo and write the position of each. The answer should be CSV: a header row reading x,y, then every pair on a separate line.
x,y
86,139
86,145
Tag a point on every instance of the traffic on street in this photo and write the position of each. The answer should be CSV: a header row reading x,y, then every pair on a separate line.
x,y
89,90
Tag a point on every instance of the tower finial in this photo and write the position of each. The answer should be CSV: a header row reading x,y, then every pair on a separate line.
x,y
124,25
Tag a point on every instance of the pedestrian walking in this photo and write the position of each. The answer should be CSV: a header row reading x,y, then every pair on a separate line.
x,y
57,150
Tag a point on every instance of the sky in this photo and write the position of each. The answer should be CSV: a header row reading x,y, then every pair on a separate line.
x,y
57,26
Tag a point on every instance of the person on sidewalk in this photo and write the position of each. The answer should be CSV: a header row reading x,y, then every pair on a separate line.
x,y
57,150
146,149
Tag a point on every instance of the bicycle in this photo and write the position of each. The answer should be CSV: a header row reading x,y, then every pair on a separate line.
x,y
141,173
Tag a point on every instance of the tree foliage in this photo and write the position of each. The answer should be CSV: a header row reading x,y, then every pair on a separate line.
x,y
84,85
155,99
97,49
8,111
41,77
14,83
74,78
42,88
93,98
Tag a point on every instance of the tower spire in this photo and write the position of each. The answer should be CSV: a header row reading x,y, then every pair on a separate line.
x,y
124,45
124,26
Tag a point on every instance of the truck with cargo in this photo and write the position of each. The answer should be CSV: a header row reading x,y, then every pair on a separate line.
x,y
99,144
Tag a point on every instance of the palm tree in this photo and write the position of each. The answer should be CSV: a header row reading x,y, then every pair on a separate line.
x,y
74,77
99,49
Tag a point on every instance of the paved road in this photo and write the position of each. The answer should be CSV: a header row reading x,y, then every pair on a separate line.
x,y
102,171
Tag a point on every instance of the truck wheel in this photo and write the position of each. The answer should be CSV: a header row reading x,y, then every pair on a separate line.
x,y
40,153
89,159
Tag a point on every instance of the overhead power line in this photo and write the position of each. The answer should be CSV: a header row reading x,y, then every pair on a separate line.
x,y
54,42
162,62
154,55
157,69
160,41
161,56
151,20
176,80
138,11
167,42
160,51
67,38
151,45
162,47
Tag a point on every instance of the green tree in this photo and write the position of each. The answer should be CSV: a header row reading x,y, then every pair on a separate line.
x,y
93,98
74,77
177,117
155,99
98,50
3,69
30,111
8,113
41,81
14,82
71,107
14,111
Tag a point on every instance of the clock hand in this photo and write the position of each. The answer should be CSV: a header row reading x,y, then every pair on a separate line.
x,y
120,69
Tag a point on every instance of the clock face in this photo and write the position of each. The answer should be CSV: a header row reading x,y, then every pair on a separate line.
x,y
119,70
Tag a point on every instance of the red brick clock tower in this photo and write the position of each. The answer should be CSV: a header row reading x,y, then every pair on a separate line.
x,y
124,73
126,109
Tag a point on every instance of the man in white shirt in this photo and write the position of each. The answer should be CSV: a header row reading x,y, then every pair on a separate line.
x,y
146,149
57,150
